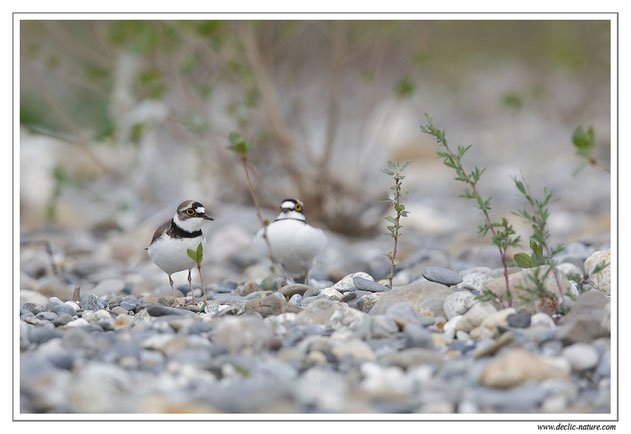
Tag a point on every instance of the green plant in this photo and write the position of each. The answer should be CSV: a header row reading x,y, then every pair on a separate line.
x,y
582,280
502,233
394,197
242,147
584,143
197,256
537,290
541,252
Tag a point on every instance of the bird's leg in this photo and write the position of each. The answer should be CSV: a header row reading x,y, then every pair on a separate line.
x,y
190,283
173,291
201,278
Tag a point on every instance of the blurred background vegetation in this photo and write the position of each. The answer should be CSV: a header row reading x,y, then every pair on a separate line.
x,y
127,118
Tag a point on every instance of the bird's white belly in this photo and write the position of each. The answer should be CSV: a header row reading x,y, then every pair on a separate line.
x,y
170,254
295,244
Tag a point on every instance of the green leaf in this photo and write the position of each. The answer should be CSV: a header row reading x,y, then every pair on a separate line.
x,y
583,141
523,260
238,144
388,172
192,254
390,219
200,252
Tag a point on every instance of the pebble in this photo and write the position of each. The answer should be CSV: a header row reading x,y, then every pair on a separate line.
x,y
518,366
107,287
421,294
475,316
417,337
441,275
368,285
602,279
519,319
94,303
458,303
226,285
346,284
581,356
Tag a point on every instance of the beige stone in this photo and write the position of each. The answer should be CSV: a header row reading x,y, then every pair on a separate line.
x,y
518,366
602,279
421,294
497,319
475,316
521,281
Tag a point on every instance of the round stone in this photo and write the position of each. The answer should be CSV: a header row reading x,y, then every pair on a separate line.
x,y
442,275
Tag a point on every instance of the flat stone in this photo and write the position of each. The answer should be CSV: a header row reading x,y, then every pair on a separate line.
x,y
519,319
346,284
421,294
583,323
489,350
348,297
368,285
442,275
329,313
226,285
414,357
270,305
293,289
108,286
155,309
518,366
417,337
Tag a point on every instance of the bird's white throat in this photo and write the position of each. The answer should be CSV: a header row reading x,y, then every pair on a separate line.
x,y
189,225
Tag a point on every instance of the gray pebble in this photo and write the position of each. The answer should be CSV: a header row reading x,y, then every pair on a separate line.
x,y
130,305
94,303
226,285
519,319
442,275
64,308
33,308
48,316
39,335
198,327
368,285
296,299
417,337
311,292
62,319
155,309
348,297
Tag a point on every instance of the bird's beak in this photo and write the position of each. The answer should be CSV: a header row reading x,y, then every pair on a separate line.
x,y
207,217
285,210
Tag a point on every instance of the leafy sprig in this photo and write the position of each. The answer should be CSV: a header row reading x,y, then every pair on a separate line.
x,y
394,169
541,251
502,233
242,147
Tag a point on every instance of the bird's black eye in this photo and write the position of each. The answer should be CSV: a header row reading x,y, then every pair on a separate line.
x,y
298,207
190,211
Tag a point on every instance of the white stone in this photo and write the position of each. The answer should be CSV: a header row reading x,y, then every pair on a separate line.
x,y
458,303
581,356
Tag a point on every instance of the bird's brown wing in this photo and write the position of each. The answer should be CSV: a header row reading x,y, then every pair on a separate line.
x,y
160,231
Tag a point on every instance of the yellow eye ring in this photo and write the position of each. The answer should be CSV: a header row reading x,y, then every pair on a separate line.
x,y
190,211
298,207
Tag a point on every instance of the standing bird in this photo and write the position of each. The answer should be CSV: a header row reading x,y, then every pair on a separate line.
x,y
294,243
168,249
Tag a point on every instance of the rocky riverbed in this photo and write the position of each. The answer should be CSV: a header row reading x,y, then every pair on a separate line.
x,y
343,344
